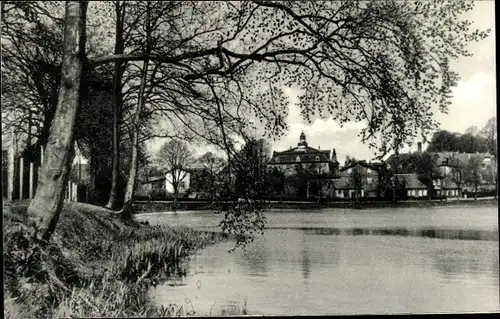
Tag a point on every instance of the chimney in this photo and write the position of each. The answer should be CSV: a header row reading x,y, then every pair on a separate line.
x,y
419,147
319,147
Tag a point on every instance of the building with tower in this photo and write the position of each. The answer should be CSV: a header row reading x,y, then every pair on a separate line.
x,y
324,162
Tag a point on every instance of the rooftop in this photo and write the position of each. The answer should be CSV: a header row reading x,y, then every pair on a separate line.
x,y
304,154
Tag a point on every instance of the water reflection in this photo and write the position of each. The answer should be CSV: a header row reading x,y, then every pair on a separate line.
x,y
476,261
460,234
341,268
254,259
306,265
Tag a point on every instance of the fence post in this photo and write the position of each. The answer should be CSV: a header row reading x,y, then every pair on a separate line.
x,y
31,180
21,175
11,169
68,191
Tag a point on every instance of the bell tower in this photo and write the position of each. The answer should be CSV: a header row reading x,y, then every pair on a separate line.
x,y
302,141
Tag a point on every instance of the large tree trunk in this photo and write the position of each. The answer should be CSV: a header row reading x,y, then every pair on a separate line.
x,y
117,107
49,196
129,191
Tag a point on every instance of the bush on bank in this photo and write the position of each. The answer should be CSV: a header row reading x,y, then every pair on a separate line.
x,y
95,265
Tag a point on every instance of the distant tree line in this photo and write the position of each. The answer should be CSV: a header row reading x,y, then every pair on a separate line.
x,y
472,141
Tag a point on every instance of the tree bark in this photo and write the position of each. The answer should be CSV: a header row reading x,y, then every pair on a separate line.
x,y
129,191
48,201
117,107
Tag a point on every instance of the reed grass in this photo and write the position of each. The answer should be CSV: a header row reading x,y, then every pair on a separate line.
x,y
95,266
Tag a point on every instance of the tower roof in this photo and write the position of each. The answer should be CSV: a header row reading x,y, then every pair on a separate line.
x,y
302,143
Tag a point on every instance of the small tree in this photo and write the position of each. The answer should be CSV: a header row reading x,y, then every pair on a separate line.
x,y
457,172
297,185
357,177
250,168
473,173
211,165
274,182
426,169
174,157
489,132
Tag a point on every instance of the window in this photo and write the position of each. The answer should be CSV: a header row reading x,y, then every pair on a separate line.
x,y
317,158
297,159
369,180
349,171
368,171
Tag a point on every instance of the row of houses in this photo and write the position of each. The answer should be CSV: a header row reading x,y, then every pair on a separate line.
x,y
353,180
408,182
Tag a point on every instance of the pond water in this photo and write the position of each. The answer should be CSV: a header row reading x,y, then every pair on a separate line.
x,y
341,261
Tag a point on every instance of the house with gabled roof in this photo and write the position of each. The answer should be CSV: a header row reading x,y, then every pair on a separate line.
x,y
344,186
413,186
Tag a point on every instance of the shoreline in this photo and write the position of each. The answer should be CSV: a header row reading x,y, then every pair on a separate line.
x,y
148,207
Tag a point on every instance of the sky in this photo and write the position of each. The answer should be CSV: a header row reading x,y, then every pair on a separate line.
x,y
473,103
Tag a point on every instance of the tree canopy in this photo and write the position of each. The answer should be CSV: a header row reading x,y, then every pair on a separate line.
x,y
483,141
385,63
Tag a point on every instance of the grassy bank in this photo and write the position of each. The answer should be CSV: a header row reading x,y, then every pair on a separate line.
x,y
95,266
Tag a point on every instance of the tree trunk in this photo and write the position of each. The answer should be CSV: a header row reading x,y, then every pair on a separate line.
x,y
117,107
129,191
430,188
48,201
11,167
176,194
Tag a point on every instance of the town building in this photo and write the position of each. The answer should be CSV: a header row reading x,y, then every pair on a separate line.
x,y
450,182
358,179
448,162
324,162
162,184
412,185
